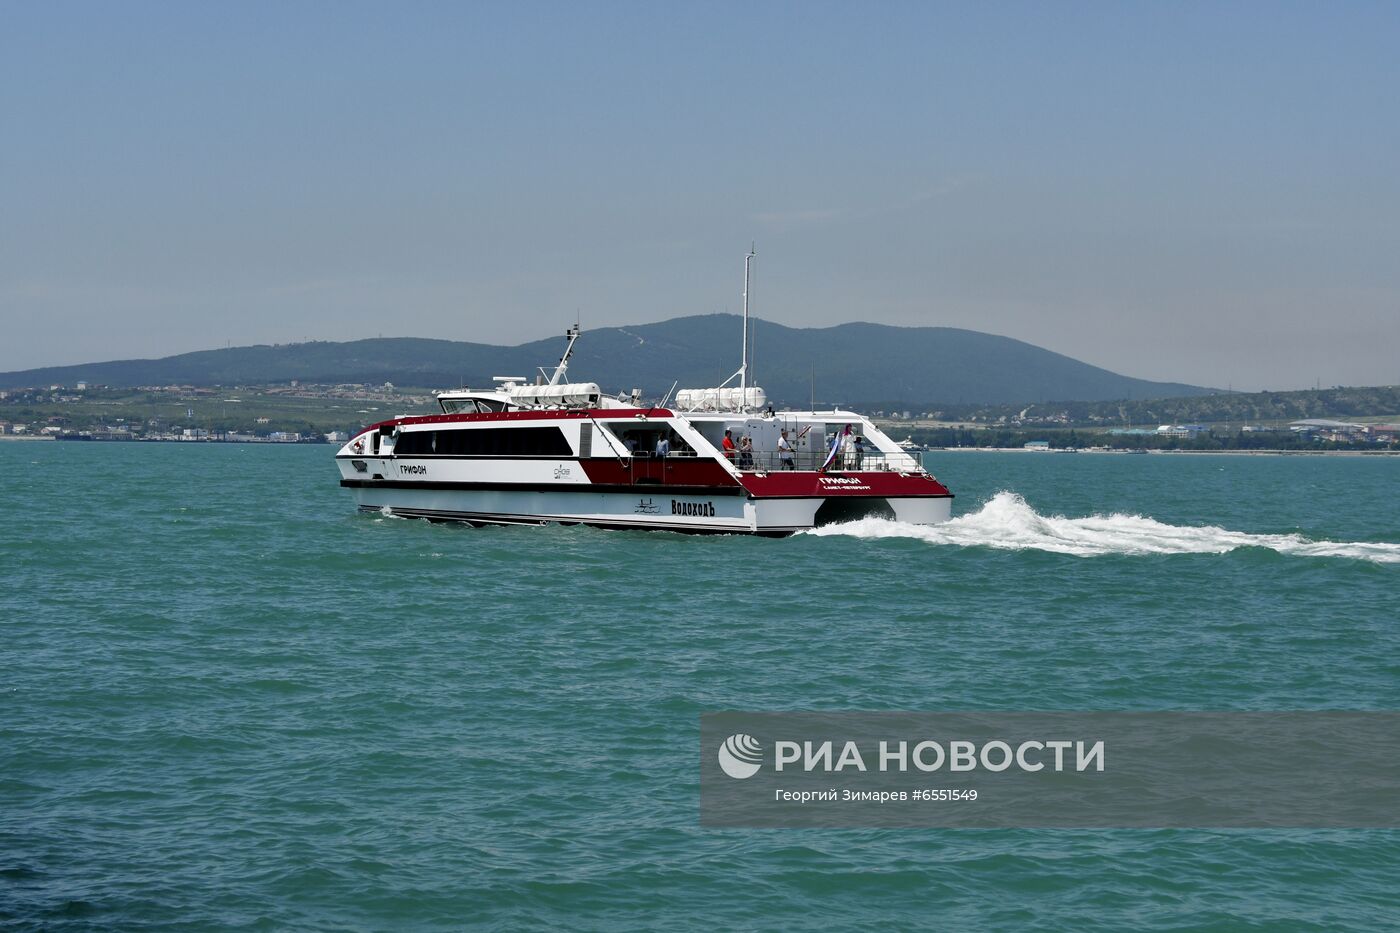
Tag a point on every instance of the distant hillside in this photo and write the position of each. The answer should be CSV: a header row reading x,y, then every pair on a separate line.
x,y
848,364
1225,407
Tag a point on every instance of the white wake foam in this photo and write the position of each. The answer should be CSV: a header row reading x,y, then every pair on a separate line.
x,y
1008,522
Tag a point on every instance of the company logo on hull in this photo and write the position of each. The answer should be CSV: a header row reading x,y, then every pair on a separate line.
x,y
706,509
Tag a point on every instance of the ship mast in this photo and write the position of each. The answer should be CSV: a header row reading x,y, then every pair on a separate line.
x,y
744,357
563,367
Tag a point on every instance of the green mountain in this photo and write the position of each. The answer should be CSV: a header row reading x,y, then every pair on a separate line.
x,y
847,364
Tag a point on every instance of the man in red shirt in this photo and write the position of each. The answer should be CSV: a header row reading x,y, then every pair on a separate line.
x,y
728,446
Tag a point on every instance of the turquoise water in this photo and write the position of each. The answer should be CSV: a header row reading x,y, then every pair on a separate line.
x,y
231,702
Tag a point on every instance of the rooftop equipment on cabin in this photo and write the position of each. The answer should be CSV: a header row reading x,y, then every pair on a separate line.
x,y
561,395
722,399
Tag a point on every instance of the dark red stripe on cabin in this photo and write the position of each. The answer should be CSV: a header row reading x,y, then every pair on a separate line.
x,y
658,472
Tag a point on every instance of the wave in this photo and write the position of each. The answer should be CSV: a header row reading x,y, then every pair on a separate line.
x,y
1008,522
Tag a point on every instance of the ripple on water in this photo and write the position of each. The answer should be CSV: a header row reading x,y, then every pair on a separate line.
x,y
230,701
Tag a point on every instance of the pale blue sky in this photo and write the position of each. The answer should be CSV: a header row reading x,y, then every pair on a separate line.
x,y
1207,193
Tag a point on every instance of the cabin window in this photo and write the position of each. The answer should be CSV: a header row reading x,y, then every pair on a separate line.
x,y
414,443
485,442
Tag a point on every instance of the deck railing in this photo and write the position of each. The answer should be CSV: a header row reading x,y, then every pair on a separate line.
x,y
769,461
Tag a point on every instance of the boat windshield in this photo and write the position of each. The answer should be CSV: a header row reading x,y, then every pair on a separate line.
x,y
470,406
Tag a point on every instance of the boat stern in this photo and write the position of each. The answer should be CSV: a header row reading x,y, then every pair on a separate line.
x,y
794,501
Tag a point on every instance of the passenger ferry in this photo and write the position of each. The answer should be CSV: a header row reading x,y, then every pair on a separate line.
x,y
716,460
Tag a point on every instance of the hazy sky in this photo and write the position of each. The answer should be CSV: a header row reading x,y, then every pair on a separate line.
x,y
1207,193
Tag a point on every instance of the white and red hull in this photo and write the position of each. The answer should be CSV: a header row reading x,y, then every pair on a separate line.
x,y
729,511
597,484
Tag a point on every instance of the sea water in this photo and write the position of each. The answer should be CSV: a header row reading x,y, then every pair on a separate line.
x,y
228,701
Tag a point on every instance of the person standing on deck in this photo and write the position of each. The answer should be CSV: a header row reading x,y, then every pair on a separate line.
x,y
728,445
785,459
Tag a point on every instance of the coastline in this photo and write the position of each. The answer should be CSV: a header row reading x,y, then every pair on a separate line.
x,y
1193,453
989,450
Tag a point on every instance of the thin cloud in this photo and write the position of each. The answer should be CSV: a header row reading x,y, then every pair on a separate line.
x,y
787,220
943,188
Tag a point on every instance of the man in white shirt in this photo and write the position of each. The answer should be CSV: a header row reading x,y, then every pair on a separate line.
x,y
785,452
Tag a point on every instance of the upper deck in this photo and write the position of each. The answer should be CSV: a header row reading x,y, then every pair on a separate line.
x,y
734,429
646,445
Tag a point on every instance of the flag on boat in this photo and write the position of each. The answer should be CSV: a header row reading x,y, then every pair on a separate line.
x,y
836,440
